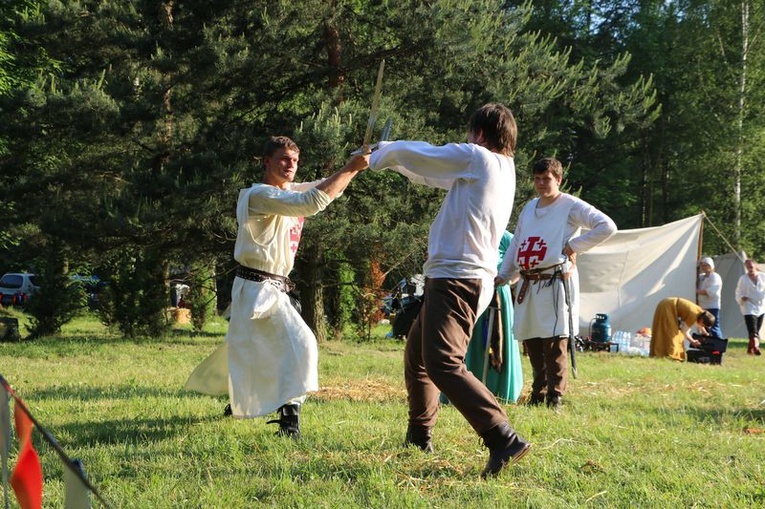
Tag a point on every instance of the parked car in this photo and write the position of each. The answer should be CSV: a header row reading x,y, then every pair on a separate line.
x,y
17,287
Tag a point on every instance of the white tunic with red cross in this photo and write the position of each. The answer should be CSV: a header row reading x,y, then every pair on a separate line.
x,y
540,236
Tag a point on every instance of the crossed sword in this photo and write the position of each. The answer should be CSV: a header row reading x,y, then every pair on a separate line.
x,y
366,147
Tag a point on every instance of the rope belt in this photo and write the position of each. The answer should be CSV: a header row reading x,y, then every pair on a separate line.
x,y
538,275
284,284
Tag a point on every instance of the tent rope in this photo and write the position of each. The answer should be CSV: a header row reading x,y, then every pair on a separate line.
x,y
738,255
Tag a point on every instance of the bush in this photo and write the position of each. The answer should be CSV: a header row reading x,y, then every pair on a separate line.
x,y
136,297
58,300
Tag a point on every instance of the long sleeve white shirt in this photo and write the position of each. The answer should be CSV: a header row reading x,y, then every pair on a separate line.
x,y
712,284
464,237
754,293
581,215
271,221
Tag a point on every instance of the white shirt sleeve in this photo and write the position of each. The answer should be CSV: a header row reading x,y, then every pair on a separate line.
x,y
601,227
423,163
265,199
740,289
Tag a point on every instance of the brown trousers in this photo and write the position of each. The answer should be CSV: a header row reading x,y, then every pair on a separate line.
x,y
549,363
434,357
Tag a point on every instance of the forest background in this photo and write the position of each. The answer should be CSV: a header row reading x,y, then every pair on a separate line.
x,y
129,127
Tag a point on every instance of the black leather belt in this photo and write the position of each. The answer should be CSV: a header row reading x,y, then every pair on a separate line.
x,y
284,284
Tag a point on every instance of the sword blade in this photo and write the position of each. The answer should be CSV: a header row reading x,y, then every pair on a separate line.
x,y
373,111
386,130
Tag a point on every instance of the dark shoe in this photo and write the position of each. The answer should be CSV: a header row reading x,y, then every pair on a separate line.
x,y
554,402
419,436
535,400
505,446
227,411
289,421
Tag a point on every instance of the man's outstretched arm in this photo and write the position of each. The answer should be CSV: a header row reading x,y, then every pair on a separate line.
x,y
336,184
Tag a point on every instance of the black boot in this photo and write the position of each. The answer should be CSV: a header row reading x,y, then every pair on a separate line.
x,y
505,446
555,402
535,399
419,436
289,421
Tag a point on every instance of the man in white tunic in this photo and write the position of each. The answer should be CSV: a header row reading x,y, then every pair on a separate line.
x,y
462,261
543,253
272,354
750,295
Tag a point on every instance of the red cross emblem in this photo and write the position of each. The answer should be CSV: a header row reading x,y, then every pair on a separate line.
x,y
295,232
531,252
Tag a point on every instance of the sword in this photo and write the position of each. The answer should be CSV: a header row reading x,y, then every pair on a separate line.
x,y
571,337
384,136
491,316
366,148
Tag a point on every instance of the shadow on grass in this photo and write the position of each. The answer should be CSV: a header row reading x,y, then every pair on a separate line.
x,y
130,431
119,392
192,334
80,393
63,346
753,416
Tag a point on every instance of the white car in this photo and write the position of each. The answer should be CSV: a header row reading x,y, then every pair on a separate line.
x,y
16,287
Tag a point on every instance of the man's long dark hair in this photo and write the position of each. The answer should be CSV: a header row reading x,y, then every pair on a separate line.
x,y
497,125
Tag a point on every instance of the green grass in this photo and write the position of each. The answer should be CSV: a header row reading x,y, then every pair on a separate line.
x,y
634,432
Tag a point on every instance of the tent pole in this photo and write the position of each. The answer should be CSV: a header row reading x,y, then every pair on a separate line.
x,y
737,253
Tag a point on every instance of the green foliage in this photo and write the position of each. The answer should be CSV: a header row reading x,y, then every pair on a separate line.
x,y
342,300
59,299
136,298
144,126
201,298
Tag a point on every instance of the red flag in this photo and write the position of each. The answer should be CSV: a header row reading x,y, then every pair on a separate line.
x,y
26,480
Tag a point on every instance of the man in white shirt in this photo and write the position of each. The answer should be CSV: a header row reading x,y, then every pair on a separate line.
x,y
271,354
462,261
750,295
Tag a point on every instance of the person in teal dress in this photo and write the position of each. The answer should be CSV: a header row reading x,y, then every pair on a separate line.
x,y
507,383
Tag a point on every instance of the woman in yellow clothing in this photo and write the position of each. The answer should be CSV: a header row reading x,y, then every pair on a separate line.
x,y
672,323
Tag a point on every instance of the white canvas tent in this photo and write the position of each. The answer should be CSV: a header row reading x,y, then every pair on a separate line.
x,y
627,276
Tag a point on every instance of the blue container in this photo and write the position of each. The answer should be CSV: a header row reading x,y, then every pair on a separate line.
x,y
600,330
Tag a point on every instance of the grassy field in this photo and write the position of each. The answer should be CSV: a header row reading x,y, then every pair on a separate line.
x,y
634,432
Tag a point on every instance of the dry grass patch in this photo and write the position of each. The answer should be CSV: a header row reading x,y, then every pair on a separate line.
x,y
363,390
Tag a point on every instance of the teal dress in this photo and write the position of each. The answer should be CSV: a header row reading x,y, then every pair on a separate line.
x,y
507,384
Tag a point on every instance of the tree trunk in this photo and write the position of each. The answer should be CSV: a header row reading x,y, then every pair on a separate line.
x,y
165,129
738,168
312,291
334,55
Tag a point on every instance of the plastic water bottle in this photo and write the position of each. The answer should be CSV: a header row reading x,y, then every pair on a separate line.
x,y
616,339
622,340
